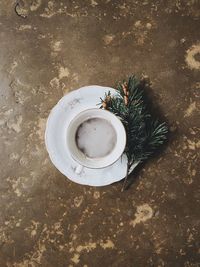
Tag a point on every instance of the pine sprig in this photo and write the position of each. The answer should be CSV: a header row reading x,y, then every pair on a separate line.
x,y
145,134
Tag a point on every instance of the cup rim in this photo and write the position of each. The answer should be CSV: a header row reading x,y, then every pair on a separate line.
x,y
104,161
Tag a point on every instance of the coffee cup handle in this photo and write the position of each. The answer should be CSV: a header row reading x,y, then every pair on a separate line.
x,y
79,169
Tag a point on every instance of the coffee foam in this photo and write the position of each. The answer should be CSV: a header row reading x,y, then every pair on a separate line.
x,y
96,138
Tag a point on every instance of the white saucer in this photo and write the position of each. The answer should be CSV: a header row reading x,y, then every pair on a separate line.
x,y
55,138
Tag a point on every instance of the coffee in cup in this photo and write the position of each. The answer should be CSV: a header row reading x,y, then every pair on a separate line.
x,y
96,138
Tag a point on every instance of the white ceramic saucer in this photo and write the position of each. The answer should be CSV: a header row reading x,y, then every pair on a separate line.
x,y
56,131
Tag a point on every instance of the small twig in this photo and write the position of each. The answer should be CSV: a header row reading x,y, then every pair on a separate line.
x,y
144,133
125,179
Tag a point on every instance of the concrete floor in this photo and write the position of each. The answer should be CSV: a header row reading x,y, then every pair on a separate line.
x,y
48,48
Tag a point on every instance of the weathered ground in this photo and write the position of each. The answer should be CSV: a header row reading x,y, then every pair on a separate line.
x,y
52,47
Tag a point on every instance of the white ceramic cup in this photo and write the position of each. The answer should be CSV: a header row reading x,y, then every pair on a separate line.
x,y
100,162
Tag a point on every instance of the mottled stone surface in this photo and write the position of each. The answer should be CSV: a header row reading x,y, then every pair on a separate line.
x,y
48,48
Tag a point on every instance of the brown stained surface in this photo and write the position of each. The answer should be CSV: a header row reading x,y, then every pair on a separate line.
x,y
54,47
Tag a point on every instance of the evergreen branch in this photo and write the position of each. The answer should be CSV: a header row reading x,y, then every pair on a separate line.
x,y
144,133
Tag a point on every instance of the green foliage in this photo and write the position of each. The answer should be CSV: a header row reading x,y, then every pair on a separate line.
x,y
144,133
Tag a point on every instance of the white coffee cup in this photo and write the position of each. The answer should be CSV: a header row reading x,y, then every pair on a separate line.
x,y
97,162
